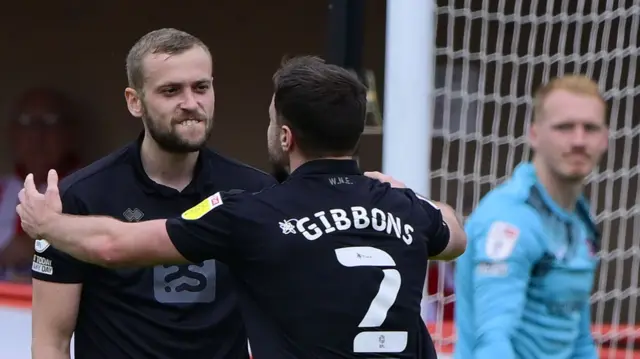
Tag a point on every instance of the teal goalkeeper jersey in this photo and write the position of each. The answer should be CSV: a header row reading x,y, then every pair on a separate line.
x,y
524,283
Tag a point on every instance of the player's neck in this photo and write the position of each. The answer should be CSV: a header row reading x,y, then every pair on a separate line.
x,y
564,193
296,160
173,170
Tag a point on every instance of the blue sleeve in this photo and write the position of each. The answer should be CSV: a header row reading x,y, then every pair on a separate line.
x,y
585,347
506,248
207,230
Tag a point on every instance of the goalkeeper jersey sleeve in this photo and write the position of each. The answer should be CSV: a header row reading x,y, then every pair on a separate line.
x,y
525,280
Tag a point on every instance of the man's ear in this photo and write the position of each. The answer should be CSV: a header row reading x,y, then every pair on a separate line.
x,y
287,142
134,102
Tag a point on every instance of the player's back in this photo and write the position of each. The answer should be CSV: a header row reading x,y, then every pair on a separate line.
x,y
336,270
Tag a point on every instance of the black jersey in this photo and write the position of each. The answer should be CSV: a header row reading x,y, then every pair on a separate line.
x,y
330,263
163,312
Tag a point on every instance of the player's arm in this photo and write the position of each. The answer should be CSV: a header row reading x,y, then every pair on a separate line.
x,y
585,347
201,233
54,313
457,241
504,252
108,242
447,239
57,287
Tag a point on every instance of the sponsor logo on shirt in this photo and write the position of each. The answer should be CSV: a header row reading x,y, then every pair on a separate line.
x,y
133,215
42,265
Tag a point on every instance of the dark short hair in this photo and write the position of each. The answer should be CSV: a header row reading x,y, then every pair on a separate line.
x,y
163,41
324,105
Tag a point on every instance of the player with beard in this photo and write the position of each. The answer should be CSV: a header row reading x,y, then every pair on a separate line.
x,y
167,311
331,263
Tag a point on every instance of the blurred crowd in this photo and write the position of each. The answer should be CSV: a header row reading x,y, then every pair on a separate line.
x,y
41,136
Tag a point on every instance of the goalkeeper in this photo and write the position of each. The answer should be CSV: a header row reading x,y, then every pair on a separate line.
x,y
524,283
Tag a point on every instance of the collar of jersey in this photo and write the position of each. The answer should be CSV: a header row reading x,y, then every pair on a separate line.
x,y
326,167
525,174
198,183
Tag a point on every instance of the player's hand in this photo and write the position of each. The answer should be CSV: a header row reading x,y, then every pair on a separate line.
x,y
36,210
385,179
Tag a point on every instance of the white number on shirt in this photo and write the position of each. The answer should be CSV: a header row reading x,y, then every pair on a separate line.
x,y
376,341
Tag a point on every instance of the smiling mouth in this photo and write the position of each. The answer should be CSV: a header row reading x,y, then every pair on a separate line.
x,y
189,122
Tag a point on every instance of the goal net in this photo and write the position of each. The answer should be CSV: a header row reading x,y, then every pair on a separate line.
x,y
490,57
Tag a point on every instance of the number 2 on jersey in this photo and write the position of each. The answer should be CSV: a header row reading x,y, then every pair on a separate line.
x,y
376,341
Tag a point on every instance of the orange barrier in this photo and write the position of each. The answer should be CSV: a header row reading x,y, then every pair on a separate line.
x,y
613,339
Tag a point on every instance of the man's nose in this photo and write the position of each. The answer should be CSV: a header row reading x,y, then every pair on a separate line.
x,y
579,137
189,101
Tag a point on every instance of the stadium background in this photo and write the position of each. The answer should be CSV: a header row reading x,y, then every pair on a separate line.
x,y
489,56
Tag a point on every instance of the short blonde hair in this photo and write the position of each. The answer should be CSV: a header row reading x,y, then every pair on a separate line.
x,y
576,84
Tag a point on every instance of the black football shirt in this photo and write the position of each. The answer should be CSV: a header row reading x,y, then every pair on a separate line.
x,y
330,263
164,312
